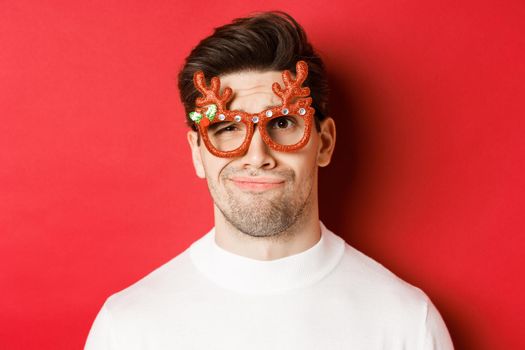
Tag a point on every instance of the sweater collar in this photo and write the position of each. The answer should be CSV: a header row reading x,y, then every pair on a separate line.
x,y
252,276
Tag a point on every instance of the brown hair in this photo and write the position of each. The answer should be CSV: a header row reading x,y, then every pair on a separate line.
x,y
267,41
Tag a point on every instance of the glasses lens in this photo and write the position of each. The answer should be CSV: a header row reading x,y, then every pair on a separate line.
x,y
286,130
227,136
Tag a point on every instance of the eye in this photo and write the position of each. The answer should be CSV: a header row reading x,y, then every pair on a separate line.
x,y
221,127
283,122
227,129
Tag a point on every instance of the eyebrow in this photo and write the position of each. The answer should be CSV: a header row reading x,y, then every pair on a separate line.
x,y
272,106
216,125
264,108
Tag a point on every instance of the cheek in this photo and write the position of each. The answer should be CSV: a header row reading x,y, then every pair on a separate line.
x,y
305,159
305,166
213,166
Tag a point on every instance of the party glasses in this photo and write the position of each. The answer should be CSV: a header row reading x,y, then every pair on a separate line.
x,y
284,128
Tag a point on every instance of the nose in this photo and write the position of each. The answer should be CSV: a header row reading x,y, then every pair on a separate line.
x,y
258,155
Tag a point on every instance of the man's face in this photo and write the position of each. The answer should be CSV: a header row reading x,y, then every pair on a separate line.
x,y
264,192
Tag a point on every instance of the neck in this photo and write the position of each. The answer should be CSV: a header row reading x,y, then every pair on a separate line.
x,y
302,235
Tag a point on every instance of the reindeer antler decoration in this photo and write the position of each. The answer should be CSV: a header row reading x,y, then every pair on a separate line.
x,y
210,96
292,88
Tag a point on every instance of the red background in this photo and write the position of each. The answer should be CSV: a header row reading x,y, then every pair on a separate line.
x,y
97,187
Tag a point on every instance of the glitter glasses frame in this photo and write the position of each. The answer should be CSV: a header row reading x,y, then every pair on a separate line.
x,y
211,109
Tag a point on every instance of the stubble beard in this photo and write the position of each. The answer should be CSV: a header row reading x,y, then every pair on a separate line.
x,y
263,214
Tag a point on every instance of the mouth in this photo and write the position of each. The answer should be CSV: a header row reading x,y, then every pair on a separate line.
x,y
257,183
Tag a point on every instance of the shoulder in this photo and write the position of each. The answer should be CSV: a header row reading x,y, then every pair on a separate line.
x,y
145,305
387,302
128,311
372,291
172,280
378,283
363,277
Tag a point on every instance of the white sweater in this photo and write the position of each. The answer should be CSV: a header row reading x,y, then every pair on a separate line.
x,y
330,296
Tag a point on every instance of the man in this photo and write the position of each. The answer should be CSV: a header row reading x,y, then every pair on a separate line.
x,y
269,275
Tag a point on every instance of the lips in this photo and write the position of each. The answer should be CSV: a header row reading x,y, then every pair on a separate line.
x,y
257,183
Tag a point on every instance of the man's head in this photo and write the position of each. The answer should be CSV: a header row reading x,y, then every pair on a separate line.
x,y
263,192
270,41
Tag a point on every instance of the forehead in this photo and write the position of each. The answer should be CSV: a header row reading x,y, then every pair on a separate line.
x,y
252,90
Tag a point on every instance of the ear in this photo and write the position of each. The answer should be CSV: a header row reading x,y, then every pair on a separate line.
x,y
196,154
326,142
